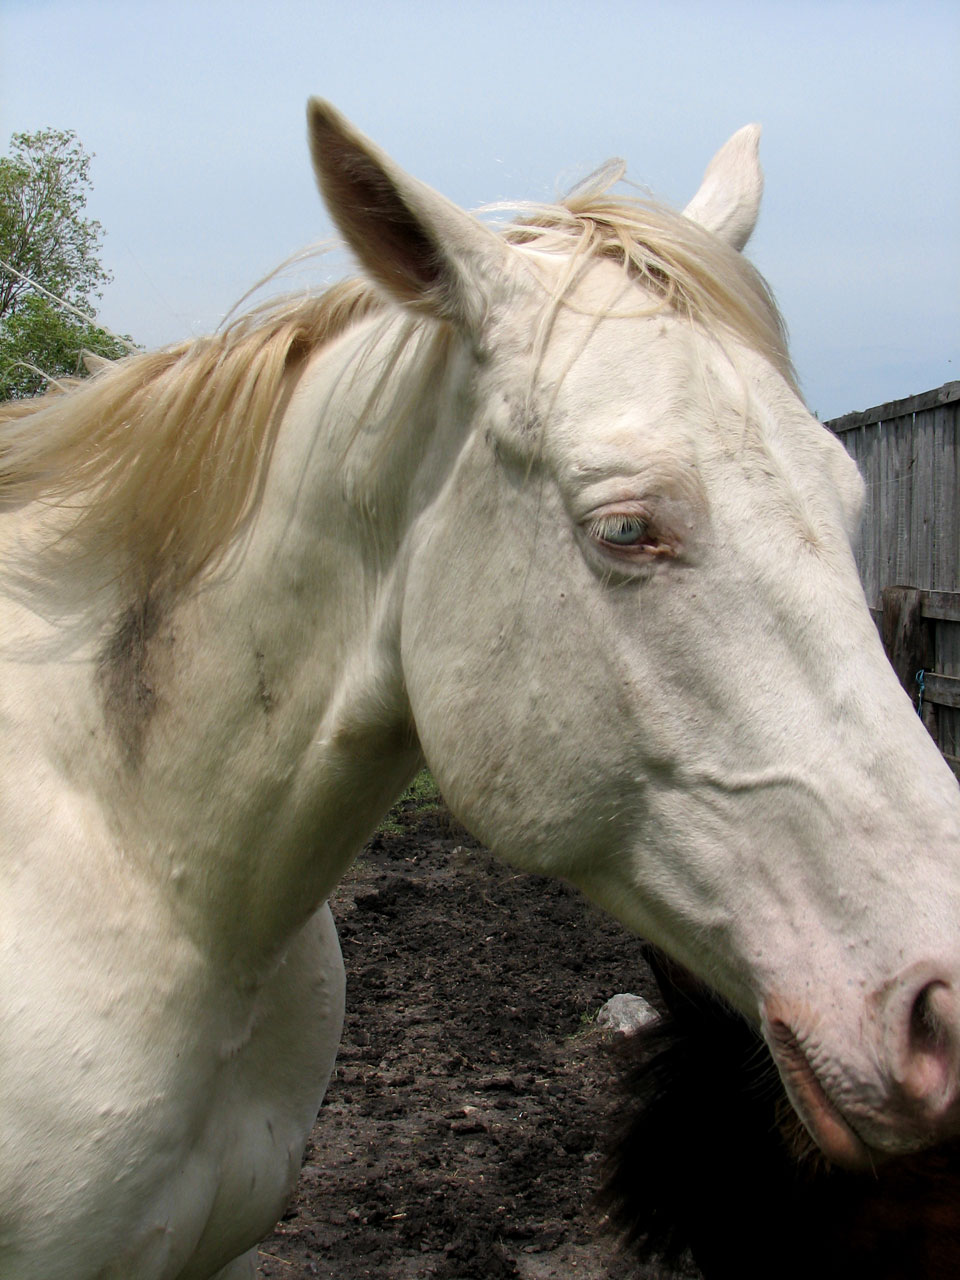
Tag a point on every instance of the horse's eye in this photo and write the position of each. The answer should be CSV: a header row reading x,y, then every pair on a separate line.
x,y
619,530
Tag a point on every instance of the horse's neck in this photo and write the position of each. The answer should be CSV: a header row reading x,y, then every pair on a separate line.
x,y
255,732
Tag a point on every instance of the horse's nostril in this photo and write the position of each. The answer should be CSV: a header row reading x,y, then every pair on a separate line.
x,y
928,1031
928,1069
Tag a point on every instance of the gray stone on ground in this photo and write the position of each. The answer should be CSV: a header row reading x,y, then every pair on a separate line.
x,y
626,1013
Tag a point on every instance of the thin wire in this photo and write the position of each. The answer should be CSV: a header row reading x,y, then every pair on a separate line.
x,y
68,306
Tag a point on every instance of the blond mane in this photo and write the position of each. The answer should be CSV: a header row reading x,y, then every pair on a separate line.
x,y
158,459
162,455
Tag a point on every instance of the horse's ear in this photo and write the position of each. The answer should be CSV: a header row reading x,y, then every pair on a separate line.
x,y
728,201
425,251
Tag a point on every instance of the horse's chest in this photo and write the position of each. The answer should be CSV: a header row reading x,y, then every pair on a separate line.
x,y
144,1130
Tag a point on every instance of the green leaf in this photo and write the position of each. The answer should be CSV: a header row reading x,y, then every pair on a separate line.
x,y
47,243
40,343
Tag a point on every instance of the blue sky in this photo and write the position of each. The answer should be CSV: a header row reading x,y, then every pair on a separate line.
x,y
195,113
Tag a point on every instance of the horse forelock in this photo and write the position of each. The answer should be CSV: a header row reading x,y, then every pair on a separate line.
x,y
677,263
159,458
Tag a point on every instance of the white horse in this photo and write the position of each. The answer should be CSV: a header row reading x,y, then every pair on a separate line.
x,y
543,507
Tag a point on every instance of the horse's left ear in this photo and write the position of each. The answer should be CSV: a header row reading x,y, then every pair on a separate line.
x,y
421,248
728,201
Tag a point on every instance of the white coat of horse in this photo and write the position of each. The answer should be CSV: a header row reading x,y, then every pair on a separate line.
x,y
543,507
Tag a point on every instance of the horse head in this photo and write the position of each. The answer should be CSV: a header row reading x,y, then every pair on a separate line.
x,y
632,635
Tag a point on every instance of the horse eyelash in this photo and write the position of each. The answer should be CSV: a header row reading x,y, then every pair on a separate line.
x,y
601,527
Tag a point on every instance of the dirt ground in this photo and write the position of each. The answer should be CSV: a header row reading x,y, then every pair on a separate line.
x,y
462,1135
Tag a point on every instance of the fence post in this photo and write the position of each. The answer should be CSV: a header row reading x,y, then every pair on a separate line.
x,y
908,641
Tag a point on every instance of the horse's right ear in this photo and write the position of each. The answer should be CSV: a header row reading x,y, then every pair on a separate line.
x,y
422,249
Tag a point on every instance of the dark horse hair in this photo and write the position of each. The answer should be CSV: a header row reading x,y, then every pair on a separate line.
x,y
710,1160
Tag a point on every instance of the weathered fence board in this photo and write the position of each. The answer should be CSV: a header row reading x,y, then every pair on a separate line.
x,y
944,690
908,452
947,662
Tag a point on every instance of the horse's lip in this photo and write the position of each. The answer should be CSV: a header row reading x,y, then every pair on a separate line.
x,y
828,1127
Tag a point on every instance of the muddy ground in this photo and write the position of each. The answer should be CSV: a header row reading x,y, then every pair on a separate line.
x,y
462,1135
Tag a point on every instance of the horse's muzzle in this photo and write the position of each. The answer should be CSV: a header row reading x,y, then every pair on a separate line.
x,y
909,1100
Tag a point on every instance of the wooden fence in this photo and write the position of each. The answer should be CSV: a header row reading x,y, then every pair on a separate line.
x,y
908,453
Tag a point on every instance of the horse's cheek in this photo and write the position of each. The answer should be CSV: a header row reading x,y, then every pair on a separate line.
x,y
495,677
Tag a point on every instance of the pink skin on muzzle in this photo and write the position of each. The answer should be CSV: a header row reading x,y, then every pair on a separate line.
x,y
912,1102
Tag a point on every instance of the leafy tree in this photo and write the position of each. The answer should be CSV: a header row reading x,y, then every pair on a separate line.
x,y
50,268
